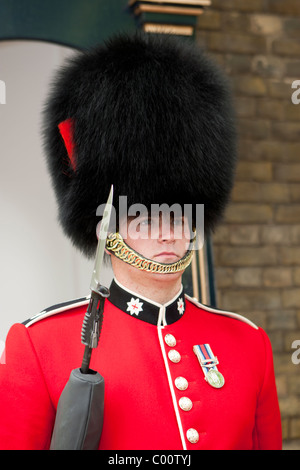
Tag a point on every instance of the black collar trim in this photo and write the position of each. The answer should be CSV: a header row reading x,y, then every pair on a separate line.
x,y
145,309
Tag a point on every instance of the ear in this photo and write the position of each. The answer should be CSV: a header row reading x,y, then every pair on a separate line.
x,y
66,129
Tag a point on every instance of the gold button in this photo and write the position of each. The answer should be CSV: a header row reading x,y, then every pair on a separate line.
x,y
185,404
181,383
170,340
192,435
174,356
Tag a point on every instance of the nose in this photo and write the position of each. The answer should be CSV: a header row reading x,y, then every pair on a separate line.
x,y
166,231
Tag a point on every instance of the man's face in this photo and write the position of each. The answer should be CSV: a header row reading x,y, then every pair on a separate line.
x,y
162,238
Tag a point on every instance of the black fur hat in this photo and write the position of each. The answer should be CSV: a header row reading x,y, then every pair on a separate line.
x,y
150,114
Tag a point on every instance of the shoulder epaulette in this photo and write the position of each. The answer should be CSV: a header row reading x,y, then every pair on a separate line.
x,y
58,308
221,312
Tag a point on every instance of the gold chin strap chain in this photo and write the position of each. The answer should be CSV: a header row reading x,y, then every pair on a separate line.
x,y
118,247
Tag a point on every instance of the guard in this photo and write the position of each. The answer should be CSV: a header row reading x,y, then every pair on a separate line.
x,y
152,116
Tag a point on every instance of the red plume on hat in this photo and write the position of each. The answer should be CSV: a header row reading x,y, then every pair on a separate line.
x,y
150,114
66,130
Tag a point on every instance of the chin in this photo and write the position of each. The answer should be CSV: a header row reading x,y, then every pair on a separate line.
x,y
164,277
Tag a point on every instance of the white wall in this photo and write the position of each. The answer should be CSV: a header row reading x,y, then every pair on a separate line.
x,y
38,265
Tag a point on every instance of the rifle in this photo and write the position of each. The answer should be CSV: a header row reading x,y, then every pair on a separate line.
x,y
79,418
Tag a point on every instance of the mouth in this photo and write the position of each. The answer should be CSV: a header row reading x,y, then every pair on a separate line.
x,y
166,254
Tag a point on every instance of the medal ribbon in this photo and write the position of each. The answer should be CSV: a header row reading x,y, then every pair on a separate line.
x,y
206,357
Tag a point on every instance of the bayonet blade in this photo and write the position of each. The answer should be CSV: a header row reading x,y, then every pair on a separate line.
x,y
104,227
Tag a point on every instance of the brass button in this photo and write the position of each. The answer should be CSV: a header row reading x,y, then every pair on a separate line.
x,y
170,340
174,356
192,435
185,404
181,383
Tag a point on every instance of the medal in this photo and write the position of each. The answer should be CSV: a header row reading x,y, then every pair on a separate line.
x,y
215,378
208,363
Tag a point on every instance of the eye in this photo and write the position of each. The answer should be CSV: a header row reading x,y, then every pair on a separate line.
x,y
178,221
145,222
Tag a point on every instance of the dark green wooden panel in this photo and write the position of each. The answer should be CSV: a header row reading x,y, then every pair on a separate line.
x,y
74,23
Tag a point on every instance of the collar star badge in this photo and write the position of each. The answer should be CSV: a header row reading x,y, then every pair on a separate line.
x,y
134,306
180,306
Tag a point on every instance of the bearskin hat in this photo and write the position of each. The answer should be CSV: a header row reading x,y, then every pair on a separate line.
x,y
150,114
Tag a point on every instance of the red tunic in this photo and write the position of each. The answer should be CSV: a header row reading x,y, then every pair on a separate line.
x,y
143,406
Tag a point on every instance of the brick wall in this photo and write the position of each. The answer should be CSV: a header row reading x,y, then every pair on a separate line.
x,y
257,247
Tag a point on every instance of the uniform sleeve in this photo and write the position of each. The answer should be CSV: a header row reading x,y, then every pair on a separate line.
x,y
267,433
26,411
